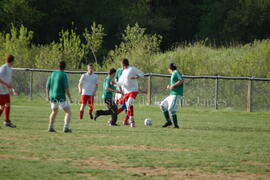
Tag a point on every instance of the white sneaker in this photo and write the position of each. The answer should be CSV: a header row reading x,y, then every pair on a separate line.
x,y
132,122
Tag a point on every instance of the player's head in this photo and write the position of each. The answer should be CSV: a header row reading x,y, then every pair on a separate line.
x,y
112,72
172,67
124,63
62,65
90,68
10,60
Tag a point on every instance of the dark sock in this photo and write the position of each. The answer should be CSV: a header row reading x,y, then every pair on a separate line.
x,y
174,117
167,116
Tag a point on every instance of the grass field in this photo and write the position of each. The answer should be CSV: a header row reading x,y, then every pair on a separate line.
x,y
209,145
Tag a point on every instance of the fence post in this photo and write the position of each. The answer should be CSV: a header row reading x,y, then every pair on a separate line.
x,y
149,89
249,96
31,85
216,93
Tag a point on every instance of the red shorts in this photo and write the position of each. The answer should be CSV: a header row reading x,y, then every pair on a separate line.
x,y
4,99
120,101
130,95
87,99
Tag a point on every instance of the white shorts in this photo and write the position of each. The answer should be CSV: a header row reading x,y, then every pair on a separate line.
x,y
62,105
170,103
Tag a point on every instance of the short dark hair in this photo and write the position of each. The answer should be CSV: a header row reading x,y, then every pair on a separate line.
x,y
10,58
62,65
125,62
111,71
90,64
172,66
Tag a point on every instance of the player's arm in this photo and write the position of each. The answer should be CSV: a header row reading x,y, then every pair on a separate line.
x,y
138,73
48,85
178,83
9,86
113,90
80,84
69,95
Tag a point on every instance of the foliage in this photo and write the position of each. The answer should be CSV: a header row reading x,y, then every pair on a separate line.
x,y
137,46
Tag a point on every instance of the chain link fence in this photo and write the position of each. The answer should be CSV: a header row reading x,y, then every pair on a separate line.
x,y
216,92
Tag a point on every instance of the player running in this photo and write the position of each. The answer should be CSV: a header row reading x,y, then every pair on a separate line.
x,y
57,87
88,85
108,90
5,86
129,84
170,103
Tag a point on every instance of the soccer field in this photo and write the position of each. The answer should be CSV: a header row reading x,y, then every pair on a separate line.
x,y
209,145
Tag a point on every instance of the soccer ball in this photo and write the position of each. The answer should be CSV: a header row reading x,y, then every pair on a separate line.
x,y
148,122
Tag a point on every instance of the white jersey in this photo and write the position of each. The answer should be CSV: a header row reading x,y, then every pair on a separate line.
x,y
130,85
89,83
6,76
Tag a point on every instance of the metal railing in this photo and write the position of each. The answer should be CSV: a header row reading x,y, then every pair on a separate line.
x,y
212,87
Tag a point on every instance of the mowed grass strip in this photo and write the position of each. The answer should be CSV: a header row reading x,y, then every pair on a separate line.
x,y
209,145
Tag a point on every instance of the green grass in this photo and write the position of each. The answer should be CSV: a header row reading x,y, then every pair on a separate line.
x,y
212,144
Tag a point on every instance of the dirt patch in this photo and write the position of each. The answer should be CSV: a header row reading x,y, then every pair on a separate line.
x,y
169,173
8,156
141,147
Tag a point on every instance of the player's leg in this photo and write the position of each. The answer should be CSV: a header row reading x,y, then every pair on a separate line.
x,y
7,112
130,102
83,104
113,108
103,112
65,106
54,107
82,110
164,108
91,106
173,106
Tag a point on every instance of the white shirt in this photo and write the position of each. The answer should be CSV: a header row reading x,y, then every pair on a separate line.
x,y
130,85
6,76
89,82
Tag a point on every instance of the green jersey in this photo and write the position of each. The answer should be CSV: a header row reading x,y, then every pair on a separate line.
x,y
118,74
107,84
57,83
178,90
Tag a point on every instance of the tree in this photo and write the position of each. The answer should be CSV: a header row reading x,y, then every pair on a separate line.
x,y
94,39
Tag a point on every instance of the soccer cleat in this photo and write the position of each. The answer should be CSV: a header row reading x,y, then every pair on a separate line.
x,y
9,124
176,126
91,116
132,124
96,115
67,130
51,130
126,123
167,124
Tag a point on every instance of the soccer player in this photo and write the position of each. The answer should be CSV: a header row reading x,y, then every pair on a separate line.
x,y
128,82
88,85
108,90
5,86
57,87
170,103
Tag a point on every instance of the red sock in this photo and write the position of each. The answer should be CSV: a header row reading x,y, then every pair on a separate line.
x,y
90,110
119,110
131,111
126,118
81,114
7,111
1,111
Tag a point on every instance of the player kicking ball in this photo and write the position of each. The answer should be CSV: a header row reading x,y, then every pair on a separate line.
x,y
170,103
108,90
129,84
88,85
57,87
5,86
